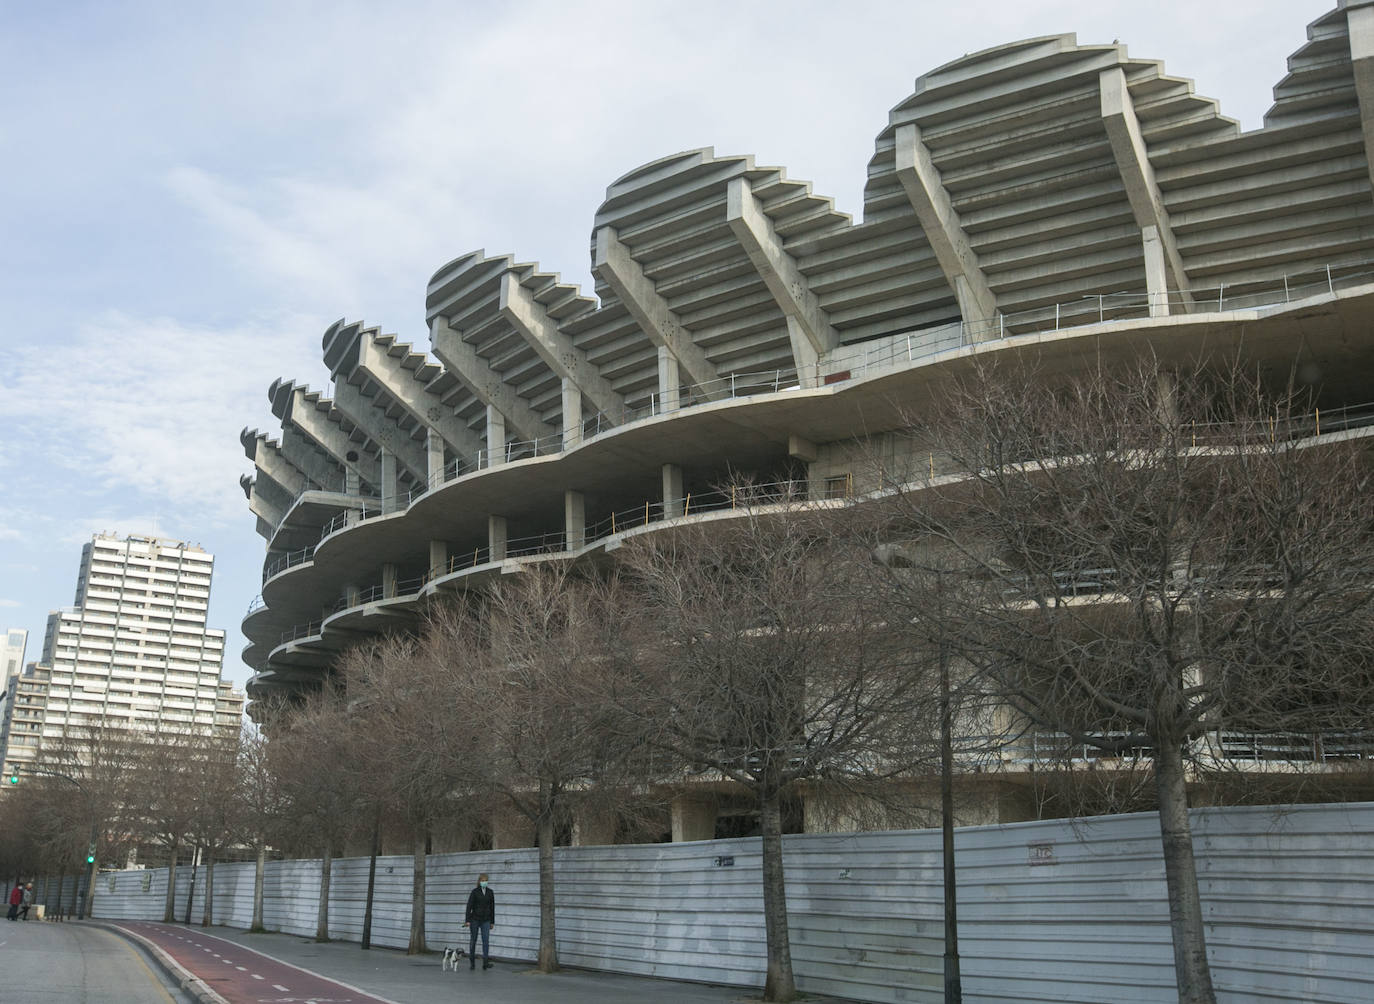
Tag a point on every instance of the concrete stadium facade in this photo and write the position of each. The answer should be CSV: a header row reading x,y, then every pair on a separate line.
x,y
1042,199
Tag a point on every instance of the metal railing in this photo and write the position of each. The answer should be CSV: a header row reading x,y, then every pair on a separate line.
x,y
288,560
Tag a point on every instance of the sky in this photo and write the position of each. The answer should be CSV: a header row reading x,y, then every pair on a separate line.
x,y
190,194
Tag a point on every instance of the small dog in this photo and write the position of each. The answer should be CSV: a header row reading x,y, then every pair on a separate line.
x,y
451,957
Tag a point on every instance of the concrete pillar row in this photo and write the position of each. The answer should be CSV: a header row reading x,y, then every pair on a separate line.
x,y
496,537
672,491
669,381
390,486
574,520
572,414
388,580
1156,273
434,458
693,819
438,557
593,826
496,437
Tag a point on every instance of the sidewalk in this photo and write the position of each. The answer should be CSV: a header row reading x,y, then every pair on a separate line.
x,y
419,979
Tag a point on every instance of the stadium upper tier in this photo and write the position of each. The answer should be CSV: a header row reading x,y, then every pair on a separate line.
x,y
1039,197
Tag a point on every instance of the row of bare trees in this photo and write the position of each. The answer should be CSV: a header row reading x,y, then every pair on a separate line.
x,y
105,793
1156,564
1149,564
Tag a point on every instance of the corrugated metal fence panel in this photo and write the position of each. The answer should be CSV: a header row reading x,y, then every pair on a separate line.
x,y
1287,896
1059,911
664,910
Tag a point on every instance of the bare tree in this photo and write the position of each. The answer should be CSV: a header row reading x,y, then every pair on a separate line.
x,y
99,763
260,805
218,820
313,758
409,730
166,779
1154,559
519,673
758,655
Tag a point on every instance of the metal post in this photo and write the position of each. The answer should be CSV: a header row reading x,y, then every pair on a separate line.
x,y
1099,308
372,876
1056,317
954,993
1329,284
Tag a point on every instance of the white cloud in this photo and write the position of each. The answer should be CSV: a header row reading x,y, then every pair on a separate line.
x,y
143,415
10,603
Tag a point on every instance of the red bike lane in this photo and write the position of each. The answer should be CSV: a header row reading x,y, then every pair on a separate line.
x,y
241,975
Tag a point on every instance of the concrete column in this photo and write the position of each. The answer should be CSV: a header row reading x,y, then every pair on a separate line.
x,y
815,482
388,581
353,484
438,557
496,437
693,819
572,414
352,595
1156,277
669,380
510,829
574,520
390,486
434,456
672,491
593,826
496,537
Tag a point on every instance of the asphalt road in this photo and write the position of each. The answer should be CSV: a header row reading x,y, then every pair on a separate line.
x,y
48,963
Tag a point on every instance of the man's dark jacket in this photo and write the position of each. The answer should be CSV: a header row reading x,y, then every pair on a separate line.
x,y
481,907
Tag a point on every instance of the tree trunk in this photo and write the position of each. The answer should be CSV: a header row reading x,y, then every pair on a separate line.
x,y
207,916
169,910
779,984
548,933
1185,904
376,849
322,918
417,901
259,870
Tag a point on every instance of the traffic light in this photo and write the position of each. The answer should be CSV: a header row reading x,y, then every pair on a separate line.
x,y
90,855
14,774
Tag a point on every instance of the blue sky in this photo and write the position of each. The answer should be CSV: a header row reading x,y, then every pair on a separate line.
x,y
191,193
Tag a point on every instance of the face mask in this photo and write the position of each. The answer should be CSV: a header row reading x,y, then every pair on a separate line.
x,y
482,884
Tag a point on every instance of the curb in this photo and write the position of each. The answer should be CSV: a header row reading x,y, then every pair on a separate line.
x,y
189,984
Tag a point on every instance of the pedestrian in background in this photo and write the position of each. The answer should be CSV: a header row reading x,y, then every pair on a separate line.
x,y
480,916
26,902
16,898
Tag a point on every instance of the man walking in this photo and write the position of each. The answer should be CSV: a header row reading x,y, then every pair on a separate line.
x,y
26,902
480,916
16,898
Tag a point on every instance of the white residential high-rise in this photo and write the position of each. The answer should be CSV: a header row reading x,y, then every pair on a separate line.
x,y
12,645
133,651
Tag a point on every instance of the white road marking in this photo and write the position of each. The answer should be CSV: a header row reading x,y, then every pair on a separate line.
x,y
256,976
278,986
242,969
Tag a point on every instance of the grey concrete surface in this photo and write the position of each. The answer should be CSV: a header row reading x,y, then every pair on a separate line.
x,y
49,963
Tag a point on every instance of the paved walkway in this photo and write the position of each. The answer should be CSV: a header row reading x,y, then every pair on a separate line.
x,y
289,964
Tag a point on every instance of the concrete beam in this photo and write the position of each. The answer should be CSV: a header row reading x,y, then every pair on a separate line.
x,y
400,383
808,326
302,454
528,316
292,406
267,458
1147,204
614,266
363,412
943,228
485,382
263,508
1359,18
